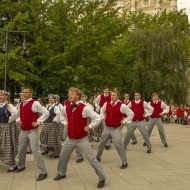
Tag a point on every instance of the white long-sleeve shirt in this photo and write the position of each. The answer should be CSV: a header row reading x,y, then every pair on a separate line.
x,y
56,111
60,106
86,113
37,108
147,107
123,109
11,109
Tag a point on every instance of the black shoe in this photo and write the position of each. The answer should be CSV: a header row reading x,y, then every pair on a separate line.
x,y
107,147
124,166
28,152
41,177
144,144
79,160
44,152
99,159
51,153
134,142
58,177
125,148
166,145
19,170
148,151
97,140
101,184
11,170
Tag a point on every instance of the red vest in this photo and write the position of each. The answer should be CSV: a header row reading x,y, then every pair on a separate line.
x,y
179,112
113,115
104,99
157,109
76,122
138,110
170,111
27,116
67,103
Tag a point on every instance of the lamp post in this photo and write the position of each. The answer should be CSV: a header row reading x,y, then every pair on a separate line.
x,y
6,49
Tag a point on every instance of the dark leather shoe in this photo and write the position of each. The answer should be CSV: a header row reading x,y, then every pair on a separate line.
x,y
12,170
58,177
148,151
101,184
124,166
107,147
166,145
134,142
79,160
19,170
41,177
99,159
144,144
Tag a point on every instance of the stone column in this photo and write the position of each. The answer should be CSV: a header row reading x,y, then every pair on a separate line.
x,y
133,4
173,4
158,5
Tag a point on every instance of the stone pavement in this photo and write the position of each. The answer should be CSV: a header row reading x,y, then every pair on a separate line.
x,y
163,169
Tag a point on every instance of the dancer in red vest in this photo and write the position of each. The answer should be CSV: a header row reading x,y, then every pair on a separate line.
x,y
29,118
99,102
68,103
113,113
179,114
102,98
75,118
160,108
127,101
138,106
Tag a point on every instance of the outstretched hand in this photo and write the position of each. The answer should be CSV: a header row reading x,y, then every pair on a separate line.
x,y
87,128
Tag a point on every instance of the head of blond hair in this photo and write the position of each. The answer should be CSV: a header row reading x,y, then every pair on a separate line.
x,y
116,91
78,92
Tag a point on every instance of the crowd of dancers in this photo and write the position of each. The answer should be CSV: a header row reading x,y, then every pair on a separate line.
x,y
73,125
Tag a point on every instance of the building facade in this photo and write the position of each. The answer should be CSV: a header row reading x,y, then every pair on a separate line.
x,y
148,6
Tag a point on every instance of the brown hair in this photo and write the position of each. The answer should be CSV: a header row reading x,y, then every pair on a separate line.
x,y
138,93
155,94
29,88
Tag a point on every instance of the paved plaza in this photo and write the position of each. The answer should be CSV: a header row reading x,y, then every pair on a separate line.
x,y
163,169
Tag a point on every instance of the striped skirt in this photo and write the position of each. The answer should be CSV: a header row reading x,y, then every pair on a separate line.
x,y
50,138
9,135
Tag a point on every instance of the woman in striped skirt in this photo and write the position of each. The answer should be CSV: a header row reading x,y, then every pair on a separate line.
x,y
9,133
50,136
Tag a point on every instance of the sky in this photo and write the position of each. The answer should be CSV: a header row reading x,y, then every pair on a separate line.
x,y
181,4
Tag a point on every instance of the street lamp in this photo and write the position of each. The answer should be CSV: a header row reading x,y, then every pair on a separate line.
x,y
6,49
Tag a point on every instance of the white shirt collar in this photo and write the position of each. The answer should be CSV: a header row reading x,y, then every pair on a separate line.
x,y
28,100
137,101
78,102
115,102
2,104
51,105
